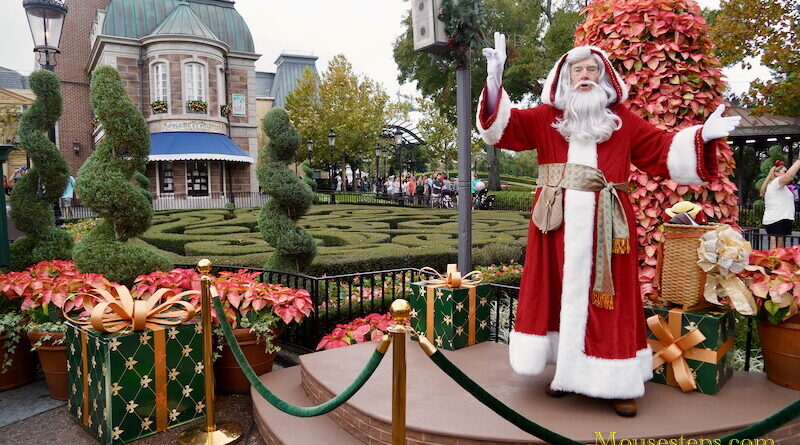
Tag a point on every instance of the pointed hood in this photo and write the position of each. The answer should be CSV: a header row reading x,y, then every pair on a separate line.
x,y
560,74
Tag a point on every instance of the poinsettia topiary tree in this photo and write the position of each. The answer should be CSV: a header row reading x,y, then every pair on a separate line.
x,y
662,51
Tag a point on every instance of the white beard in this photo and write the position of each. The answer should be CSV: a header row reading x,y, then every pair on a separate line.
x,y
586,117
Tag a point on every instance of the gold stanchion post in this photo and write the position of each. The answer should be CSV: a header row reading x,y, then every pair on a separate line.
x,y
210,433
401,311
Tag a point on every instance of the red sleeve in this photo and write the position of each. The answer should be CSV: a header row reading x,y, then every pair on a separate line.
x,y
508,127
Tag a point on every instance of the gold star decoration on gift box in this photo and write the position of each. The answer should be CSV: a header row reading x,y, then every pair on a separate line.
x,y
89,421
691,326
89,379
116,433
130,363
104,369
439,293
99,387
68,367
144,337
460,330
460,306
414,313
439,341
72,349
198,367
198,329
74,388
94,405
448,320
482,324
146,423
100,430
483,301
187,390
173,373
114,344
186,350
94,362
105,413
173,332
115,389
131,407
200,406
145,381
173,415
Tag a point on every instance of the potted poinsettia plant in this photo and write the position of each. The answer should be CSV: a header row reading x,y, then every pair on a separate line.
x,y
257,311
46,291
369,328
776,288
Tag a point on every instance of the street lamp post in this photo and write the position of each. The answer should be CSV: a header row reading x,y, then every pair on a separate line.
x,y
310,147
331,144
398,141
377,167
46,20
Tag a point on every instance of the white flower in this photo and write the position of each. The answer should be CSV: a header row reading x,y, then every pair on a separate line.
x,y
114,344
130,363
146,423
131,407
146,381
116,433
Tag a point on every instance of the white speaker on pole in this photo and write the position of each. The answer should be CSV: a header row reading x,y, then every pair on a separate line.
x,y
429,31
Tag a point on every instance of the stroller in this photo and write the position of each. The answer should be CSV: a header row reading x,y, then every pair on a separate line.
x,y
483,200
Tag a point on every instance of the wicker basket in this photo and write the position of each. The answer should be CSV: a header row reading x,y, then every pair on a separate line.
x,y
680,278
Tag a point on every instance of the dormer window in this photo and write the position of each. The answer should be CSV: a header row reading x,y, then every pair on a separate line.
x,y
195,80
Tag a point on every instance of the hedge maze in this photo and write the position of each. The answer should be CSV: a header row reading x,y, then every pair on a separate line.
x,y
350,238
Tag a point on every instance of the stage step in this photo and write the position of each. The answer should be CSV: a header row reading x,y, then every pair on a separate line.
x,y
278,428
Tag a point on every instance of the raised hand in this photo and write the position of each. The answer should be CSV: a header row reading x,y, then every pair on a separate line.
x,y
717,126
496,57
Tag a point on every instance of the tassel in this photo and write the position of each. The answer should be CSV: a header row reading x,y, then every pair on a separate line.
x,y
603,300
620,246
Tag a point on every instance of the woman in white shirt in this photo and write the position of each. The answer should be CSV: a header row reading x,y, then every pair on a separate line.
x,y
778,202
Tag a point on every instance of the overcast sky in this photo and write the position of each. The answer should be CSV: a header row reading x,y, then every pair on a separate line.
x,y
362,30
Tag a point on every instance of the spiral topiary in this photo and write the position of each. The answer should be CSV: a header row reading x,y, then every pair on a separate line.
x,y
144,185
309,175
33,197
104,185
290,198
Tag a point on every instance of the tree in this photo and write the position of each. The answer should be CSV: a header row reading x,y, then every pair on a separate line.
x,y
33,197
767,30
439,133
352,105
9,123
662,51
290,198
105,185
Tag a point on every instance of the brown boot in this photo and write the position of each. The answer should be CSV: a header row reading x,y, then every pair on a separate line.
x,y
555,392
625,407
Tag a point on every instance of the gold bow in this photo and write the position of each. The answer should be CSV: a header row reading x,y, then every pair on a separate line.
x,y
138,314
723,253
452,277
673,351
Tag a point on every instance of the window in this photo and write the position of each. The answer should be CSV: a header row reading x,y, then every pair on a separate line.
x,y
195,81
165,177
197,178
160,82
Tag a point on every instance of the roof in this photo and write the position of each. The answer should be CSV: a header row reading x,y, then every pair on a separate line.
x,y
138,18
13,80
184,22
179,146
766,125
290,68
11,96
264,82
409,131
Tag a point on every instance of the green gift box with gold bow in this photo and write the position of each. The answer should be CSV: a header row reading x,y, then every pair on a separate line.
x,y
137,369
451,317
702,340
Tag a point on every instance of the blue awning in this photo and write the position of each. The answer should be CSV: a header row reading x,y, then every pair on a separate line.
x,y
182,146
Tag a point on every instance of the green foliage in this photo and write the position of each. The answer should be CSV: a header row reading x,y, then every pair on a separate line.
x,y
499,253
775,153
104,185
309,175
290,198
463,22
144,185
33,197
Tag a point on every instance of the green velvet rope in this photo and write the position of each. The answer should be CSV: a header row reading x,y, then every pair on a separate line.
x,y
753,431
277,402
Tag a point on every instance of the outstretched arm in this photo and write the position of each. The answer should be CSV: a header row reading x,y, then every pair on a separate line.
x,y
788,177
495,62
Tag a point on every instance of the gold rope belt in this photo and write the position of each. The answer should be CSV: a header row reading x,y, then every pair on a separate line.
x,y
611,228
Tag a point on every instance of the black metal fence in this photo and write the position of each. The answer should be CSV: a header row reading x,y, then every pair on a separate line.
x,y
759,239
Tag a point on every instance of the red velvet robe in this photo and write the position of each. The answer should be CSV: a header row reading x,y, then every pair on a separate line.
x,y
599,352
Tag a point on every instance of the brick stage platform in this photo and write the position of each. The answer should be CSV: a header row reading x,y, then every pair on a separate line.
x,y
440,412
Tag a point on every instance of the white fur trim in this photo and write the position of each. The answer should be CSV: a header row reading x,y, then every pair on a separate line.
x,y
682,157
530,353
577,372
495,131
552,76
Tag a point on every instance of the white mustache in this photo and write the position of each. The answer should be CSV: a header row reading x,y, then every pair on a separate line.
x,y
584,83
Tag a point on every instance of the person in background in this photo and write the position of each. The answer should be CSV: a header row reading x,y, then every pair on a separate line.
x,y
411,187
6,185
66,197
779,202
473,184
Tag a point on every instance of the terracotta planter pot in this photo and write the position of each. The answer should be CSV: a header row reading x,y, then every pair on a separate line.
x,y
54,363
227,373
23,365
780,344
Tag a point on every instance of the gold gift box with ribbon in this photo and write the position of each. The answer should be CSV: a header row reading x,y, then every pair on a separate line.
x,y
691,347
135,367
451,310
